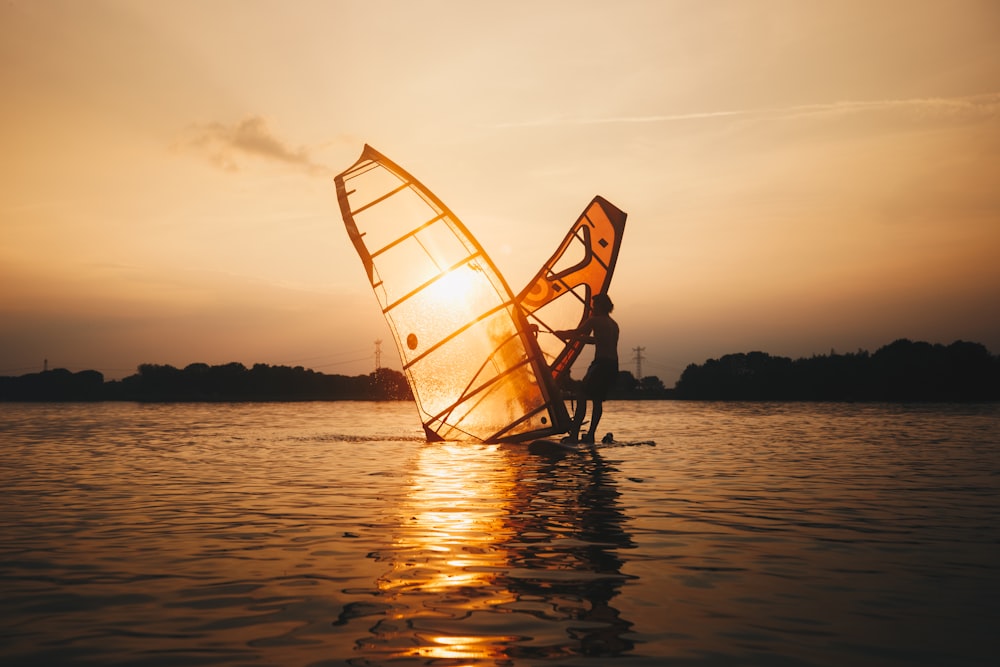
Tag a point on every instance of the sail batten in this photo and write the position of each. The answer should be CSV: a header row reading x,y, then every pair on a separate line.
x,y
411,234
381,199
481,394
430,282
453,335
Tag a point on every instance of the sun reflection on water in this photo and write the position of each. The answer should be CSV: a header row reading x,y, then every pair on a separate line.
x,y
448,554
499,554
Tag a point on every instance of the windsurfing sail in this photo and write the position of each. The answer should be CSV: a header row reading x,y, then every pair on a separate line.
x,y
474,366
558,297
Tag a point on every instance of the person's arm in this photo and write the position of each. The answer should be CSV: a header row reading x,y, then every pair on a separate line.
x,y
583,332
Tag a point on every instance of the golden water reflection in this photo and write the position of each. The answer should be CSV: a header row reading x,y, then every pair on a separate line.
x,y
447,555
501,554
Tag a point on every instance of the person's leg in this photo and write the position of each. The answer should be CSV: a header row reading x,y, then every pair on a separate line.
x,y
583,392
595,417
578,417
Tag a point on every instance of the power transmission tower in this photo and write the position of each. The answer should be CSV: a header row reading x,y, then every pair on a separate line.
x,y
378,355
638,361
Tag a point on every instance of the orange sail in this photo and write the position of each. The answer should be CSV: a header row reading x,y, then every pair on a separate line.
x,y
558,297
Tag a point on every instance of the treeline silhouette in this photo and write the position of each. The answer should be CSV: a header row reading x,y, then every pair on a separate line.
x,y
901,371
628,388
201,382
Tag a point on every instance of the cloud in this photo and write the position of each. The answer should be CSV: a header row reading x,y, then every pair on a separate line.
x,y
226,146
956,109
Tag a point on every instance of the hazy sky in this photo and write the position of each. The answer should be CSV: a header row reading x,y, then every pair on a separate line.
x,y
799,176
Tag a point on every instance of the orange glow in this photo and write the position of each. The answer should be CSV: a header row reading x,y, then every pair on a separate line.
x,y
453,287
160,167
451,526
460,648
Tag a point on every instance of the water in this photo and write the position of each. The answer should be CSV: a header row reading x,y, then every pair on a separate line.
x,y
332,534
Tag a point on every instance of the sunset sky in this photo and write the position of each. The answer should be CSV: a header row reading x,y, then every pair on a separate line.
x,y
799,176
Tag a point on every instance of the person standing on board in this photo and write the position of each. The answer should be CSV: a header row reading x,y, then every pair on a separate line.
x,y
601,331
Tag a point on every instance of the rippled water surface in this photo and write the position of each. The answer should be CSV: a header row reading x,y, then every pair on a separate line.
x,y
332,534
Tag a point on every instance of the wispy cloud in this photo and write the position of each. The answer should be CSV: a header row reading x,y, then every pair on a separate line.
x,y
226,146
955,108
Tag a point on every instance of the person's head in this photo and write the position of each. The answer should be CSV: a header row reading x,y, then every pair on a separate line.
x,y
602,304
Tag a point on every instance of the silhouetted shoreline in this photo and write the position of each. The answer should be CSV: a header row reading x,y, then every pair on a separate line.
x,y
902,371
200,382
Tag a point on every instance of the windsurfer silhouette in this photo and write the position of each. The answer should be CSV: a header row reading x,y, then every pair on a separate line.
x,y
601,331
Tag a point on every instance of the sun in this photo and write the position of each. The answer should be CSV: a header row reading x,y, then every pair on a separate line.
x,y
456,287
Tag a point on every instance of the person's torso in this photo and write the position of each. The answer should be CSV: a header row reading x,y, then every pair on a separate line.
x,y
605,332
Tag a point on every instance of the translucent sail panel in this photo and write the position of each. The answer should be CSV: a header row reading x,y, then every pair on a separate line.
x,y
501,397
469,359
474,370
558,297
